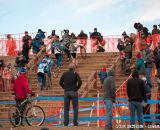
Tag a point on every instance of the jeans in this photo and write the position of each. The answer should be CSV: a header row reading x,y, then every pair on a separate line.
x,y
70,96
136,107
148,75
21,108
41,80
109,105
59,60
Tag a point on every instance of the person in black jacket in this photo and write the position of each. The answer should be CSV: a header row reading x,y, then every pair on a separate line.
x,y
71,83
156,54
20,60
26,45
136,93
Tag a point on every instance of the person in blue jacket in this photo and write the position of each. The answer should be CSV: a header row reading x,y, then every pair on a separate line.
x,y
57,48
42,70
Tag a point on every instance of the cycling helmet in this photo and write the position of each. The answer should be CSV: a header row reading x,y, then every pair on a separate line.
x,y
44,61
23,70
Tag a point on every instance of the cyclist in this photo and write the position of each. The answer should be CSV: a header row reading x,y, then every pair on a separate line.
x,y
42,70
50,66
66,41
57,48
73,50
38,41
21,89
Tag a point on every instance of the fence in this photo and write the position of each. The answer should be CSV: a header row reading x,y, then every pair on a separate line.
x,y
120,111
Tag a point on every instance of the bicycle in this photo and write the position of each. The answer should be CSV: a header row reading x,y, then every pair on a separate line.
x,y
33,114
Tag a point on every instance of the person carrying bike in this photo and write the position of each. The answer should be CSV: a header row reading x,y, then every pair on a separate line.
x,y
57,49
21,89
73,50
41,74
66,41
50,66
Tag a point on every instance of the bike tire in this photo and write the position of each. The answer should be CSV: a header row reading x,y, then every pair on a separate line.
x,y
16,115
83,52
29,117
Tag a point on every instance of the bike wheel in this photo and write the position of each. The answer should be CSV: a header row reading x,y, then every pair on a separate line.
x,y
14,116
83,52
35,116
55,71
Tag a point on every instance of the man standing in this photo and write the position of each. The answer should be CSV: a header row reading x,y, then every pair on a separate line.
x,y
109,88
156,54
26,45
136,93
71,83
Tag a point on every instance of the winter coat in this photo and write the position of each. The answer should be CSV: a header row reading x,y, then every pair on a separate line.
x,y
21,87
109,87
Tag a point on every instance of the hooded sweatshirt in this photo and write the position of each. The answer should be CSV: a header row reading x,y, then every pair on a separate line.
x,y
109,87
21,87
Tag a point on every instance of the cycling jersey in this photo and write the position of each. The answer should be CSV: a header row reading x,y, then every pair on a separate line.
x,y
43,67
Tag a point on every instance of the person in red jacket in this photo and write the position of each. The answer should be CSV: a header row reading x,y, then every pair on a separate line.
x,y
21,89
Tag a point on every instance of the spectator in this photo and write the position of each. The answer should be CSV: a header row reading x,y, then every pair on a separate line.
x,y
10,46
82,35
157,81
7,76
155,30
26,45
125,36
146,109
143,45
128,56
156,54
41,74
96,37
121,48
52,34
1,72
83,38
21,89
109,88
20,60
102,75
136,93
140,66
148,66
71,83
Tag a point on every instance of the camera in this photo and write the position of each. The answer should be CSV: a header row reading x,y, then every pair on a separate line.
x,y
138,26
141,29
66,31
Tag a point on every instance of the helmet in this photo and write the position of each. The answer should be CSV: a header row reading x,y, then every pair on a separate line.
x,y
44,61
23,70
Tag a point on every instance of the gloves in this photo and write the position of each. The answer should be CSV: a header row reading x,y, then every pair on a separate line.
x,y
33,94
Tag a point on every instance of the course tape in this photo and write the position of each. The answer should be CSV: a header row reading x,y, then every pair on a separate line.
x,y
80,99
52,119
